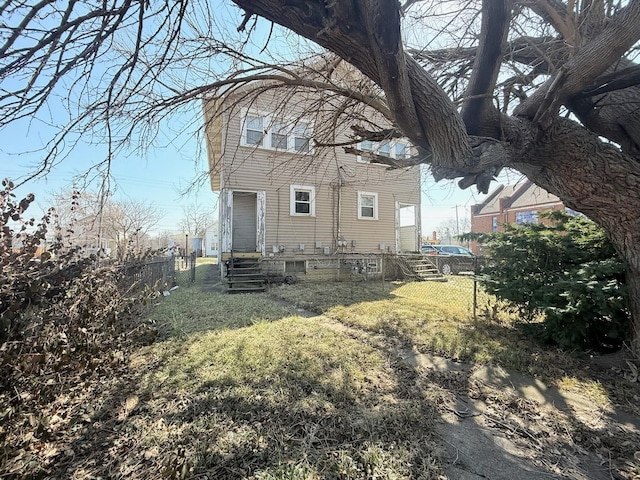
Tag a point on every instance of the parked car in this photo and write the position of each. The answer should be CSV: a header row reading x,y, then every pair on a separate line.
x,y
429,249
454,259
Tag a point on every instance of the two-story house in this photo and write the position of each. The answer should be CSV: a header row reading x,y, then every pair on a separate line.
x,y
306,210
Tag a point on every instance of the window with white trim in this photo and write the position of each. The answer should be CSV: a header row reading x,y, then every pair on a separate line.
x,y
401,151
276,133
303,201
254,130
398,149
385,149
367,206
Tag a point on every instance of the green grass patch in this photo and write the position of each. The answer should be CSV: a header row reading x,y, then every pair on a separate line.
x,y
248,391
238,387
435,317
189,310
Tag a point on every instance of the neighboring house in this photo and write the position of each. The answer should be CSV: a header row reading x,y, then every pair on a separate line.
x,y
305,210
211,242
517,204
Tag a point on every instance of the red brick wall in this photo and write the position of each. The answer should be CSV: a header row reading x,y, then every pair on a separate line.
x,y
484,223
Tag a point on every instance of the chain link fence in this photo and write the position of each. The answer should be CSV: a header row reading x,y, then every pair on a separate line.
x,y
448,281
185,269
162,273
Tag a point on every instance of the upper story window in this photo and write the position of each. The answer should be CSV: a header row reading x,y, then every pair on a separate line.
x,y
385,149
527,217
398,149
279,136
303,200
302,137
367,146
273,133
254,130
367,206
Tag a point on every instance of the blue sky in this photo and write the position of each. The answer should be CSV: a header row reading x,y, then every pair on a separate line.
x,y
158,177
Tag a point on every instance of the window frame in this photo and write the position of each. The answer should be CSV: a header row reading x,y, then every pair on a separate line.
x,y
276,131
245,130
306,135
279,129
525,217
292,200
374,195
292,266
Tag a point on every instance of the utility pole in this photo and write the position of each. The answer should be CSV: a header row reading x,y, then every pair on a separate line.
x,y
103,194
457,220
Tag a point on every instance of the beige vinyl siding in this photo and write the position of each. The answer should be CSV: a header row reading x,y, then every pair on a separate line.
x,y
534,196
254,169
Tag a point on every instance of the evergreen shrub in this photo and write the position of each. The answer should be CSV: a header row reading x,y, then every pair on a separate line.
x,y
567,270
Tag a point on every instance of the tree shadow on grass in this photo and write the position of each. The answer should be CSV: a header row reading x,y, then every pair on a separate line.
x,y
284,412
608,432
293,415
290,399
586,436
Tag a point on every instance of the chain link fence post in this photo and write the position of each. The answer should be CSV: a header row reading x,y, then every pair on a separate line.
x,y
475,287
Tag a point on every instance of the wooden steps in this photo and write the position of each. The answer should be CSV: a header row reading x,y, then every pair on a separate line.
x,y
244,275
421,267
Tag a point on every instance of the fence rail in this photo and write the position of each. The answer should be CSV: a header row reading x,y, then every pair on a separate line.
x,y
158,271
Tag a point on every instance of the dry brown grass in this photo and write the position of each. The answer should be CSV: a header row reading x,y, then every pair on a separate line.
x,y
239,387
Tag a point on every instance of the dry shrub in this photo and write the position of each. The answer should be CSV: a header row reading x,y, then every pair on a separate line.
x,y
64,317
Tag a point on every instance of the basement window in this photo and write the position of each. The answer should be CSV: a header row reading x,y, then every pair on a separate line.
x,y
295,266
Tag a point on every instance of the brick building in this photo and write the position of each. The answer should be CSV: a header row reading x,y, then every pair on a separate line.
x,y
511,204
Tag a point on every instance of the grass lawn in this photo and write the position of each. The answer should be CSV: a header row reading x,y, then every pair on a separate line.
x,y
240,386
435,317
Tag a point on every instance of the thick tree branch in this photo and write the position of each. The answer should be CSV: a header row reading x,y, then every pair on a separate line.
x,y
613,81
582,70
479,95
366,33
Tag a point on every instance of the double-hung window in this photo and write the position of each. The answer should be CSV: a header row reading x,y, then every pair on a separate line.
x,y
254,130
367,206
301,137
401,151
276,133
279,136
385,149
303,200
